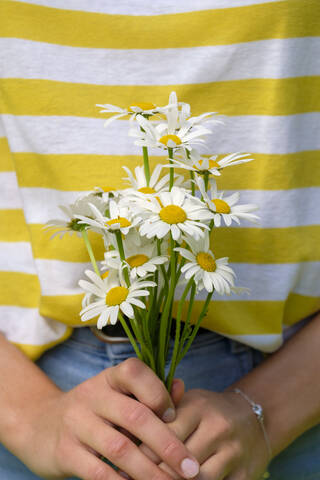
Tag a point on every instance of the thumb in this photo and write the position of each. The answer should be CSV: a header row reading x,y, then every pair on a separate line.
x,y
177,391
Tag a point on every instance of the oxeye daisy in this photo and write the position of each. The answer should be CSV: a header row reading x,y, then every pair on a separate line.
x,y
178,113
80,207
140,108
226,208
159,135
120,218
112,297
174,212
195,162
209,273
141,259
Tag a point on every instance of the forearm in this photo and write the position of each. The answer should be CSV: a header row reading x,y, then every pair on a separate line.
x,y
22,387
286,385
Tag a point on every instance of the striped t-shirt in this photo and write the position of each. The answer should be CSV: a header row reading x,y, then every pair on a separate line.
x,y
255,62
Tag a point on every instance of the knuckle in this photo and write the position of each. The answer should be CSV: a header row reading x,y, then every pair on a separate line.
x,y
131,367
118,447
158,400
99,472
226,427
138,415
237,450
171,449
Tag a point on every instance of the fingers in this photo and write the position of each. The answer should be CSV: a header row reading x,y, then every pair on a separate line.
x,y
183,427
217,467
134,377
145,425
89,467
119,450
177,390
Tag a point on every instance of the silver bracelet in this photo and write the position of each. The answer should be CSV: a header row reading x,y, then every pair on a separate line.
x,y
258,411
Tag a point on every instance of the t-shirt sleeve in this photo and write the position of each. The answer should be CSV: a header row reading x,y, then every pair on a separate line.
x,y
20,320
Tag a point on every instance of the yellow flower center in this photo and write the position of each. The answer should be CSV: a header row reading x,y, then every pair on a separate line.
x,y
221,206
104,275
116,295
107,189
137,260
206,261
123,222
165,139
212,164
173,214
142,106
146,190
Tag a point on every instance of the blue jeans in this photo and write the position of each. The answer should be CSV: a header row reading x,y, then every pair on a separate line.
x,y
212,363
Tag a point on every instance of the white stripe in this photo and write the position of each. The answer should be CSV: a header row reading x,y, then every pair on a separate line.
x,y
277,208
266,343
273,282
16,257
138,7
259,134
26,326
266,281
10,197
61,278
42,204
171,66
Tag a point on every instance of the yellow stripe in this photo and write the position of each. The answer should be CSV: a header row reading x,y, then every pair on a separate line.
x,y
298,307
35,351
64,308
19,289
13,226
83,172
242,317
248,245
208,27
6,164
249,97
69,248
268,245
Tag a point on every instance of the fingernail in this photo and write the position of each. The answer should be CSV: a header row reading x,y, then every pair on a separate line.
x,y
169,415
189,467
124,475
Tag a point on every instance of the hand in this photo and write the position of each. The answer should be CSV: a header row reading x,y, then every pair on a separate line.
x,y
222,432
70,431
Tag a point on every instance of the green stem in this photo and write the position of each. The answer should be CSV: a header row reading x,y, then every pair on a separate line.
x,y
177,335
170,154
193,187
122,255
146,164
206,181
187,322
90,251
166,311
130,336
196,327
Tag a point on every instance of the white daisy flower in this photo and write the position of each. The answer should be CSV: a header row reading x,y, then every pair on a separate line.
x,y
141,260
195,162
226,208
209,273
113,296
120,218
159,135
79,207
156,184
178,113
141,108
174,212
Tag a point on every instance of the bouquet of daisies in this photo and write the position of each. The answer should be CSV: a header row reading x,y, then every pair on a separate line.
x,y
156,234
